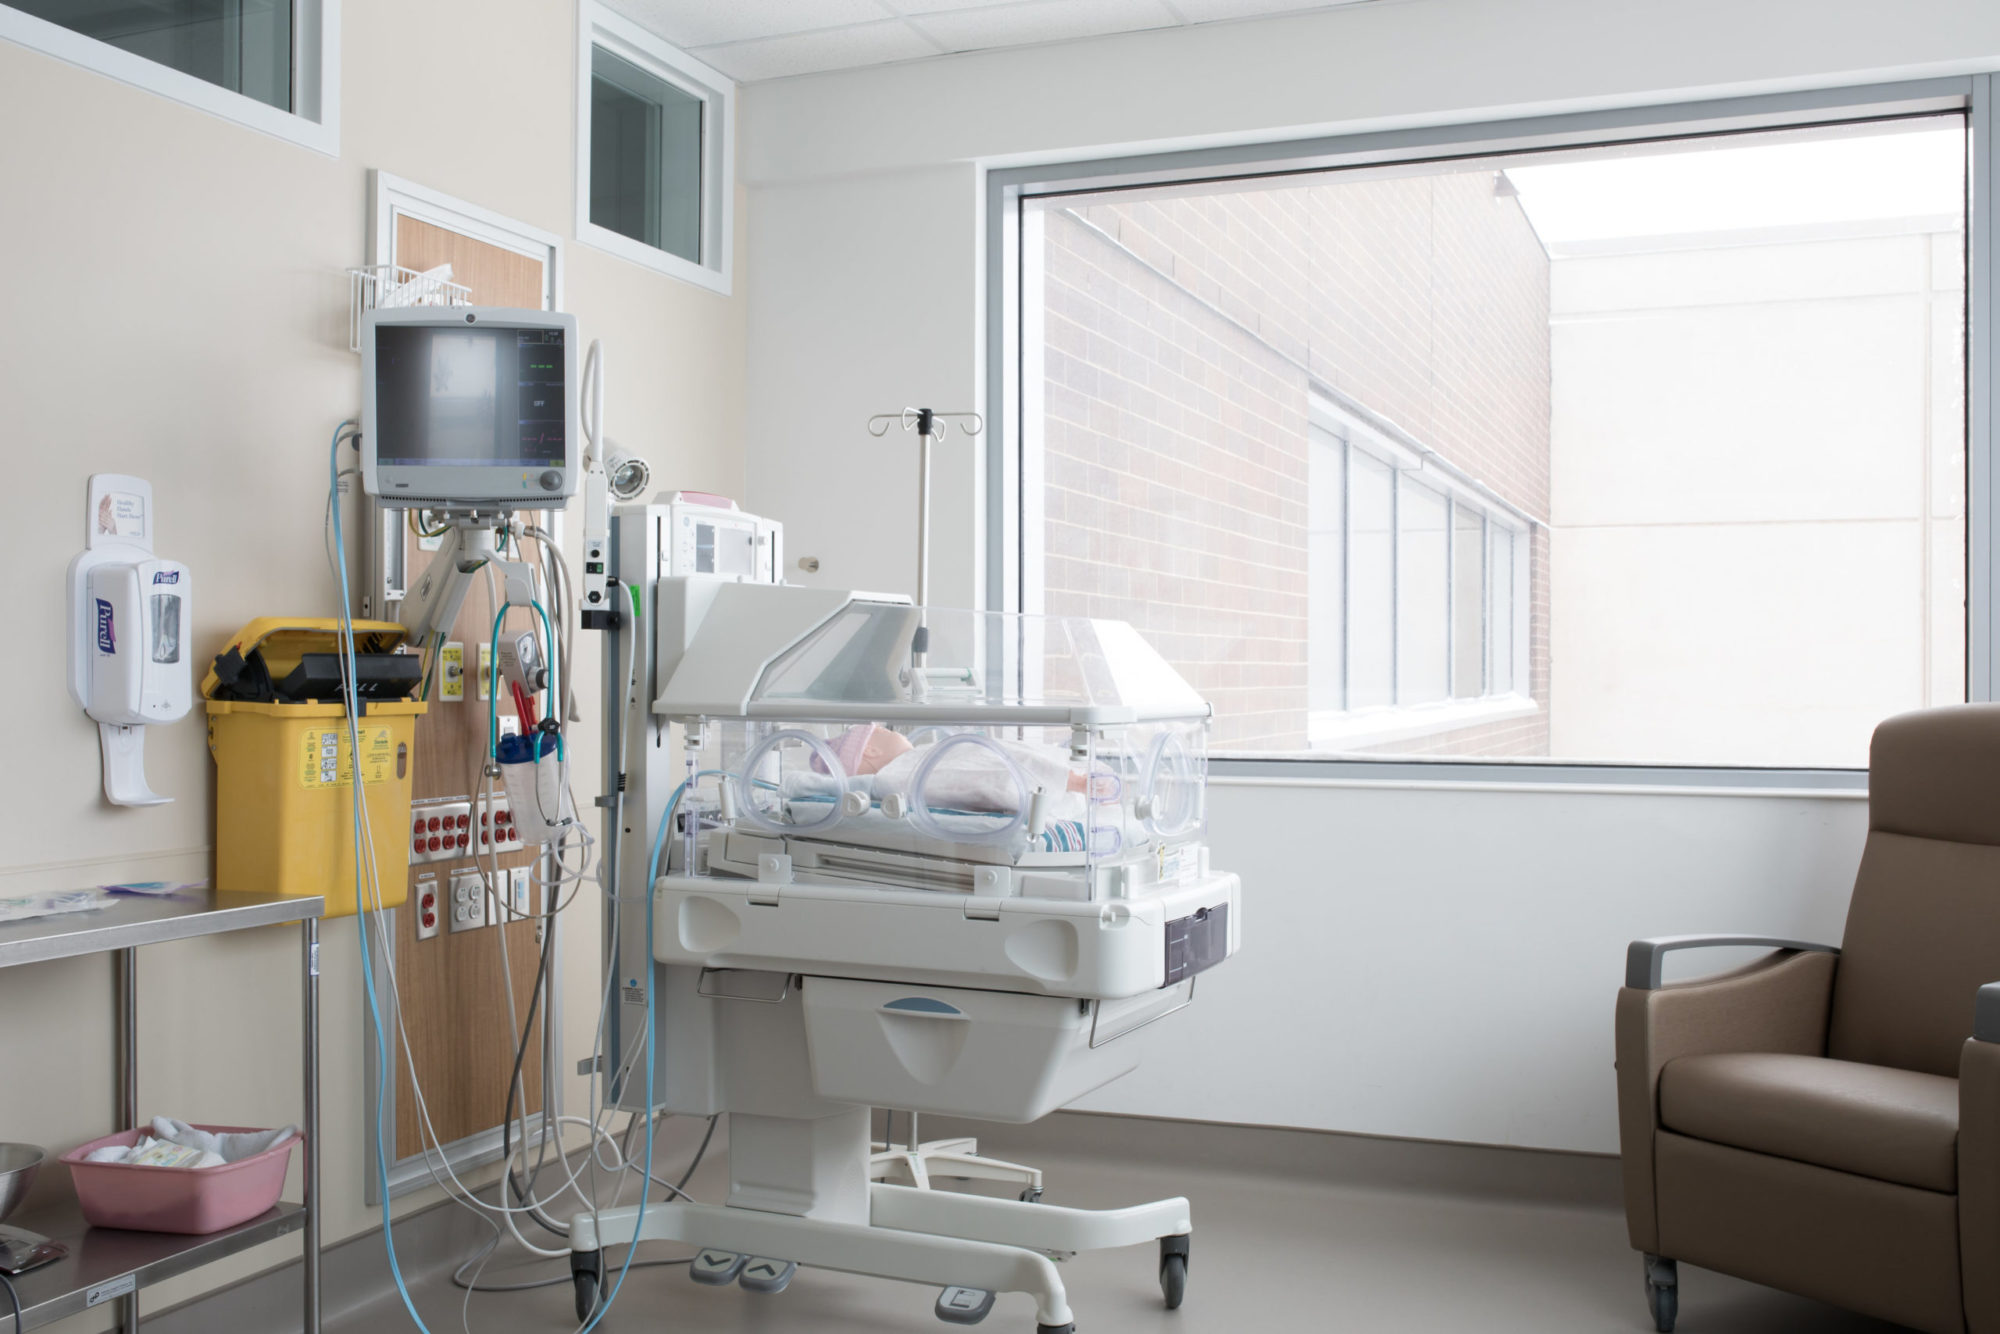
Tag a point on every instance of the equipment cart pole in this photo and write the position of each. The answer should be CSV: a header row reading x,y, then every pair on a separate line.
x,y
309,1163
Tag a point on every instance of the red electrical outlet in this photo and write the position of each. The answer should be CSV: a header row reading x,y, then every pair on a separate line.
x,y
425,900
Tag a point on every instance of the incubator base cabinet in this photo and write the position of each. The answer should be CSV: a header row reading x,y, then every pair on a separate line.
x,y
899,857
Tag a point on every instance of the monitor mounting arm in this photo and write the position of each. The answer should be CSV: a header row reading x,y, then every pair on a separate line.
x,y
431,608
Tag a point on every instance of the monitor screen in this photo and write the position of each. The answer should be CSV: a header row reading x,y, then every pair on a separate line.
x,y
466,396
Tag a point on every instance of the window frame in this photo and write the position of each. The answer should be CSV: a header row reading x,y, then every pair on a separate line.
x,y
314,124
1008,262
598,26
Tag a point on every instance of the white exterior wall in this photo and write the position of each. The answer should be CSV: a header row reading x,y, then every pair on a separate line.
x,y
1758,454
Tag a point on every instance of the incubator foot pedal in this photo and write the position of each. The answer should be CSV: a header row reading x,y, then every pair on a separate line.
x,y
764,1275
716,1268
964,1306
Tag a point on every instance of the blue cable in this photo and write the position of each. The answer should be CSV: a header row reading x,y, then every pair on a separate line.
x,y
652,990
382,1049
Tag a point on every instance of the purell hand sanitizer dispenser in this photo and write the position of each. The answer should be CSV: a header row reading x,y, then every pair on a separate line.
x,y
128,621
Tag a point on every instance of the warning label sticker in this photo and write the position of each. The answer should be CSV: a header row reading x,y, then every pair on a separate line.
x,y
326,761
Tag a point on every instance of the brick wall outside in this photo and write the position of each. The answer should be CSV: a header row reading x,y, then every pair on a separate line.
x,y
1181,337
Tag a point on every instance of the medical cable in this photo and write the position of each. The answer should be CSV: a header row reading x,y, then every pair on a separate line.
x,y
14,1300
652,998
368,872
352,687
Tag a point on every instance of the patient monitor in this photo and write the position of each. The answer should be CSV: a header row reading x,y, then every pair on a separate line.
x,y
469,408
470,413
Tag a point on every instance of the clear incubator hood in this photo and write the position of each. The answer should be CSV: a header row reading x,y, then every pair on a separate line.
x,y
1064,747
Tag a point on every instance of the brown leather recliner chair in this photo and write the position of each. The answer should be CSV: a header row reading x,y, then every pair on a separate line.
x,y
1828,1121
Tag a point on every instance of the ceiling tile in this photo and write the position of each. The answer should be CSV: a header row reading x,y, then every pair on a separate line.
x,y
690,23
1207,11
802,53
1041,21
941,6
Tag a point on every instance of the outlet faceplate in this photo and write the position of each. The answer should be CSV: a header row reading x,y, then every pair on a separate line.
x,y
521,892
424,899
468,906
440,831
495,820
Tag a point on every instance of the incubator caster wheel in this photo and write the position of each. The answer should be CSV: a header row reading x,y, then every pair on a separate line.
x,y
1663,1292
1173,1269
1032,1195
586,1270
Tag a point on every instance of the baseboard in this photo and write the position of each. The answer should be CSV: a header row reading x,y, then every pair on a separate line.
x,y
353,1273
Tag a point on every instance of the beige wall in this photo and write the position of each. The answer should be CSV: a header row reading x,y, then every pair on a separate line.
x,y
175,308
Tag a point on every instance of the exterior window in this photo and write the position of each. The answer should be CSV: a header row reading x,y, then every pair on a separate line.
x,y
655,173
269,64
1419,626
1649,454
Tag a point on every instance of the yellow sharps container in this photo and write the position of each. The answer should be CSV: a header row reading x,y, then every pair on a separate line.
x,y
284,792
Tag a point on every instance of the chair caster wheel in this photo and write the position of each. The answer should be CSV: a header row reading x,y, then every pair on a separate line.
x,y
1174,1269
1032,1195
1663,1299
586,1271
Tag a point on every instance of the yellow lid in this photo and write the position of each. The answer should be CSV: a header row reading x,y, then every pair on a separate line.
x,y
286,639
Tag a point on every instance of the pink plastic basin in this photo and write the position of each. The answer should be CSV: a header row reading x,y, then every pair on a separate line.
x,y
191,1200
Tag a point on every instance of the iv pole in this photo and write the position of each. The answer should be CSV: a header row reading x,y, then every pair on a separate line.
x,y
959,1155
930,426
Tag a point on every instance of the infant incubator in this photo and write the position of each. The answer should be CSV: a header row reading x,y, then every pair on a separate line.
x,y
927,860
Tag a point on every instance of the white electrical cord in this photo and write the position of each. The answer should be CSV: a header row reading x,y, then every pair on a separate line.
x,y
369,902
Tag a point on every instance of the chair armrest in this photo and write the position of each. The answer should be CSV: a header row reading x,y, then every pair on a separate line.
x,y
1643,958
1986,1014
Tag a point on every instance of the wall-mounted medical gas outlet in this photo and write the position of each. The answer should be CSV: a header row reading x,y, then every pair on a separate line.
x,y
128,621
485,672
451,672
424,901
468,907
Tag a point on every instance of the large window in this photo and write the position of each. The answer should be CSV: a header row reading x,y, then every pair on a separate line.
x,y
1647,453
654,165
270,64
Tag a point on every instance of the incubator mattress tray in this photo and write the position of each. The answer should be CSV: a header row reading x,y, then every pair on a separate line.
x,y
1103,950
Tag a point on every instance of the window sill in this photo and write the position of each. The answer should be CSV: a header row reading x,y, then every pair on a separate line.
x,y
1336,733
316,127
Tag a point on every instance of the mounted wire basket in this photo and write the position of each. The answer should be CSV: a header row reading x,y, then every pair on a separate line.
x,y
391,286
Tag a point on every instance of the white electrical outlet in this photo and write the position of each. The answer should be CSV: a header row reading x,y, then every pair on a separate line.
x,y
468,901
424,900
440,831
523,892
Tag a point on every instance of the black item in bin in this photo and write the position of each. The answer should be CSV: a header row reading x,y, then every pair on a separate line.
x,y
378,676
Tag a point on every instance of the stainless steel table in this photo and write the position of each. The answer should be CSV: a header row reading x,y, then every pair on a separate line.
x,y
107,1264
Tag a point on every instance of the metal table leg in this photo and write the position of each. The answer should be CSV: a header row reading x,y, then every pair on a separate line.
x,y
309,933
125,1010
